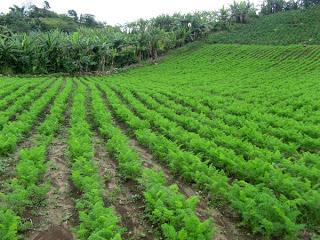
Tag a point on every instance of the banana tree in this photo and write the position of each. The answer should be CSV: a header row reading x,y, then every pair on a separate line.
x,y
241,11
157,41
8,53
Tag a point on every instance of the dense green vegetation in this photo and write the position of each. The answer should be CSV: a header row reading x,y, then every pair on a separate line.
x,y
92,49
241,126
166,207
27,190
30,18
96,221
36,40
250,111
290,27
212,141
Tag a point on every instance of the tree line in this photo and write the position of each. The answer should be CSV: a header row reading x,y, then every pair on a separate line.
x,y
31,18
37,40
274,6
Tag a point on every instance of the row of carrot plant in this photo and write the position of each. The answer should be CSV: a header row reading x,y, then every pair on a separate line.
x,y
95,220
165,206
22,103
13,131
265,214
223,135
257,170
16,93
27,189
8,87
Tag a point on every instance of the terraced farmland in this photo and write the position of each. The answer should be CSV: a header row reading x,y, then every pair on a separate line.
x,y
214,142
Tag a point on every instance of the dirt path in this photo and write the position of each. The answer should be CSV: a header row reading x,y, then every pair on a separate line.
x,y
224,219
59,200
58,215
123,195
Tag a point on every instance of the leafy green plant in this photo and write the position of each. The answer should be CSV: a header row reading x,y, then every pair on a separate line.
x,y
166,207
96,221
26,189
12,132
179,162
9,223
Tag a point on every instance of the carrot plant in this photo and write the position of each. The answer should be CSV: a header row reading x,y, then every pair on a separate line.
x,y
193,169
95,220
169,209
12,132
8,86
255,170
26,189
9,224
22,103
166,207
27,86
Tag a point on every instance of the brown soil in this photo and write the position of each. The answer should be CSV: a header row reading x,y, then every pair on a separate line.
x,y
107,170
59,213
55,233
131,207
124,196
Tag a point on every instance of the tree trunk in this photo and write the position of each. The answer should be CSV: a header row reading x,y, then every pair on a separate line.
x,y
112,63
103,64
155,54
139,56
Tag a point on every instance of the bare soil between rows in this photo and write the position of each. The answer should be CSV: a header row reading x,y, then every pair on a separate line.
x,y
55,233
58,215
122,195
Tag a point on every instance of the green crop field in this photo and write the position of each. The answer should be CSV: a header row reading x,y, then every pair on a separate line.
x,y
213,142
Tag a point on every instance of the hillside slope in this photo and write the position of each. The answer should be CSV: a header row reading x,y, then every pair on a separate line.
x,y
200,63
292,27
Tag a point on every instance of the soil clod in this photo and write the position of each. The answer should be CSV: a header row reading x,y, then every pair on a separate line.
x,y
55,233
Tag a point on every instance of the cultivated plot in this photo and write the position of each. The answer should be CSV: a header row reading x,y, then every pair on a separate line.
x,y
215,142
